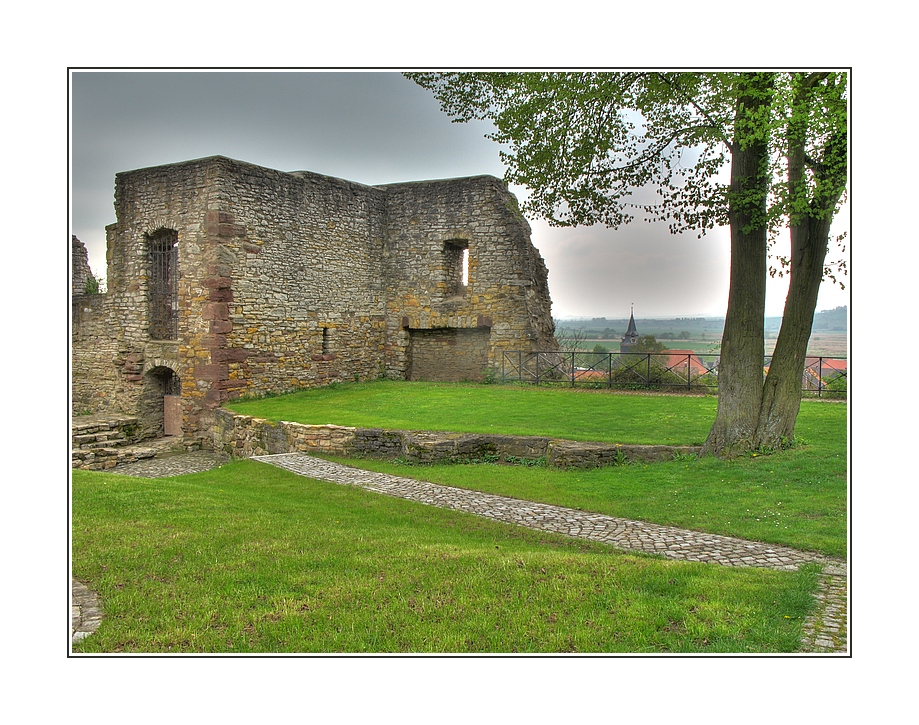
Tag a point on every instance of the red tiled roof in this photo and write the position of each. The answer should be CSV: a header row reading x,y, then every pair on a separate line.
x,y
676,358
827,364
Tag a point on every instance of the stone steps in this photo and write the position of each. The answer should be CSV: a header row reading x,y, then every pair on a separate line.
x,y
101,459
99,442
103,431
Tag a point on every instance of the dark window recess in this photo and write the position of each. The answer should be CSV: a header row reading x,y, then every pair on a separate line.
x,y
164,285
326,341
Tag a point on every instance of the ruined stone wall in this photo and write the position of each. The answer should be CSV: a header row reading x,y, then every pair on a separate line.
x,y
176,198
79,264
96,384
101,371
449,354
293,280
243,436
307,291
428,224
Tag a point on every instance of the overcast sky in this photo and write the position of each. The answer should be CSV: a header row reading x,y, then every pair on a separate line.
x,y
373,128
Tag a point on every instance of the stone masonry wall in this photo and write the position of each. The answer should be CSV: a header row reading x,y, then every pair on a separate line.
x,y
243,436
79,264
96,384
146,201
448,354
507,291
293,280
307,303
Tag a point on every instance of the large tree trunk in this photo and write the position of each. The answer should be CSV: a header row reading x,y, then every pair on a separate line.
x,y
812,212
740,372
782,391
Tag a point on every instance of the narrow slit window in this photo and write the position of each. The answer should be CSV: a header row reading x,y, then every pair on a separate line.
x,y
456,267
326,341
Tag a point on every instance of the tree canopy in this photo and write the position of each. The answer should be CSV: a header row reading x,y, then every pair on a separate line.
x,y
611,147
757,151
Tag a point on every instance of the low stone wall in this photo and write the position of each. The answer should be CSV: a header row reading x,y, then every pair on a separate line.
x,y
242,436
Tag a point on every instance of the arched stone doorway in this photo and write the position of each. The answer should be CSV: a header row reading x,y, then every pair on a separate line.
x,y
161,404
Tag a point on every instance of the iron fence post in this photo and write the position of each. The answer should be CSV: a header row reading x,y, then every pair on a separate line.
x,y
820,377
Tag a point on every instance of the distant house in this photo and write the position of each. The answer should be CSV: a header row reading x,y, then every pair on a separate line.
x,y
682,362
820,371
827,367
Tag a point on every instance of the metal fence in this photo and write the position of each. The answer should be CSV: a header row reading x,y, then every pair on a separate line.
x,y
669,371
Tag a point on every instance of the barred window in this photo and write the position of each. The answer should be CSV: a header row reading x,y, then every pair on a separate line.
x,y
164,285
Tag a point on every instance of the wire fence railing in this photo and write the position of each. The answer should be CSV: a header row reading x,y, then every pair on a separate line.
x,y
673,371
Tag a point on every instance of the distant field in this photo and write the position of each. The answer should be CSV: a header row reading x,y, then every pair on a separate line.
x,y
825,344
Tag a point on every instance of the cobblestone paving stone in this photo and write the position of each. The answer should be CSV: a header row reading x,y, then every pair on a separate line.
x,y
171,465
85,612
824,631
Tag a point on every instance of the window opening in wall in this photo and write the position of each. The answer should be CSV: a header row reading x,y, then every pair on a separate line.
x,y
164,285
326,341
456,267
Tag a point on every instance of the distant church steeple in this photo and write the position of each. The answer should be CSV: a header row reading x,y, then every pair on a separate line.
x,y
630,337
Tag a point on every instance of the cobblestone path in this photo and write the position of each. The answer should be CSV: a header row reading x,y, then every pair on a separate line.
x,y
171,465
825,630
85,612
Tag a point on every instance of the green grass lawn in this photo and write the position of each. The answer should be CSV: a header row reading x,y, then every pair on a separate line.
x,y
250,558
584,415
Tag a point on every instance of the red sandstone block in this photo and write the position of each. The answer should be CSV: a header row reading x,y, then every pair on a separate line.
x,y
213,341
210,373
217,282
215,311
229,230
215,398
224,217
228,384
221,295
229,355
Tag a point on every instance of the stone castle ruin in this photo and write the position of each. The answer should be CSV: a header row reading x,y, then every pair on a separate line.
x,y
227,279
